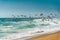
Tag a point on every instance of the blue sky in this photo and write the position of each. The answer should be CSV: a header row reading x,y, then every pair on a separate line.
x,y
29,7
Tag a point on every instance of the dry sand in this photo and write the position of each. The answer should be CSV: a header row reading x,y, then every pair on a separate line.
x,y
54,36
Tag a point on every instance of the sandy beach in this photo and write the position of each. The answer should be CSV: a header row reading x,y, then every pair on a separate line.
x,y
53,36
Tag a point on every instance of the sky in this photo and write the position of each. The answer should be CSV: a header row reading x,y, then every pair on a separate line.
x,y
29,7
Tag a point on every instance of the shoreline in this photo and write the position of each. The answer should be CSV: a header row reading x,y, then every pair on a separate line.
x,y
52,36
33,34
37,34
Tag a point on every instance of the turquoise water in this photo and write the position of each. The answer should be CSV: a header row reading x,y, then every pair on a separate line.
x,y
7,28
12,27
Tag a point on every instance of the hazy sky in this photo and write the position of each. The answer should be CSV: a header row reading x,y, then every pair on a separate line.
x,y
29,7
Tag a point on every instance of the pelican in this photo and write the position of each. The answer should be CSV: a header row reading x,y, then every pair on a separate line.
x,y
42,17
50,17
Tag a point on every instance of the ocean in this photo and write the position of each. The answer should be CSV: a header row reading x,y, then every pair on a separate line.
x,y
10,26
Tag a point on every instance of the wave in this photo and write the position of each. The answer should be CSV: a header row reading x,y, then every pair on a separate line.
x,y
8,28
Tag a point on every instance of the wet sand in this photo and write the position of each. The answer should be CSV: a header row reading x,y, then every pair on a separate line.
x,y
54,36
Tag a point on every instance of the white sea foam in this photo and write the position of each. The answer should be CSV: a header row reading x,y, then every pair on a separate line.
x,y
53,26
